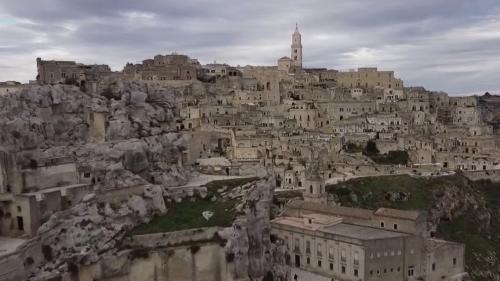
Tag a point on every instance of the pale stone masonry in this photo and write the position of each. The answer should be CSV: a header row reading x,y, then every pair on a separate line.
x,y
308,127
344,244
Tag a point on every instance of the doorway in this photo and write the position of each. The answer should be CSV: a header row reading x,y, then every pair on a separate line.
x,y
20,223
297,261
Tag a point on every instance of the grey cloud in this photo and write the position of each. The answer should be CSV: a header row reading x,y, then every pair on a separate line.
x,y
427,42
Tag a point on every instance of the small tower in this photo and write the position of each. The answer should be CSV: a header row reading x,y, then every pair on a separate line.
x,y
296,55
314,186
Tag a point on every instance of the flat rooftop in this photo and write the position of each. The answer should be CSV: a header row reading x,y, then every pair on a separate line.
x,y
361,232
299,222
334,225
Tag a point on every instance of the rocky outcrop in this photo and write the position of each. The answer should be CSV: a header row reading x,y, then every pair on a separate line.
x,y
451,202
139,146
44,116
92,236
489,106
90,232
249,238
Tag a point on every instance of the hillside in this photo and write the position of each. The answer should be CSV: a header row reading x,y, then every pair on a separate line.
x,y
462,210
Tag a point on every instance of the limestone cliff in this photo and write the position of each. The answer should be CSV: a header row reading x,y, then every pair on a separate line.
x,y
126,138
90,240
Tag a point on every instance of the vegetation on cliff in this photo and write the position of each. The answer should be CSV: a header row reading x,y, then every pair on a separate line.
x,y
394,157
465,211
188,213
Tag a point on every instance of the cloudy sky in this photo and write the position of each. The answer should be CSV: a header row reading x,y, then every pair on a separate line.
x,y
449,45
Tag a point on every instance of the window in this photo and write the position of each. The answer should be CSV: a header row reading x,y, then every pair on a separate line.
x,y
454,261
330,253
382,224
434,266
395,226
308,260
308,247
318,250
356,258
411,271
343,256
331,266
19,209
356,273
343,269
297,246
319,263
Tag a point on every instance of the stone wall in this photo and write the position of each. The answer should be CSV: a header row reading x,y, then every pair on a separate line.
x,y
190,255
16,266
51,176
493,175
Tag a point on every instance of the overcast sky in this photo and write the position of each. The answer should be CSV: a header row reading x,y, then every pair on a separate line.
x,y
449,45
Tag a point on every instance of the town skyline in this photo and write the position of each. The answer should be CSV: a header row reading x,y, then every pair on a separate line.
x,y
450,49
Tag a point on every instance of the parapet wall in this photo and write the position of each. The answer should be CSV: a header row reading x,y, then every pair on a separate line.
x,y
187,255
181,237
493,175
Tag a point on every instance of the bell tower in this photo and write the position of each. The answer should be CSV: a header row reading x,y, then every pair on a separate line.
x,y
296,55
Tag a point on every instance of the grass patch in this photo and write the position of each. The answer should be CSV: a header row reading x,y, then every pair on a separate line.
x,y
393,157
371,192
188,213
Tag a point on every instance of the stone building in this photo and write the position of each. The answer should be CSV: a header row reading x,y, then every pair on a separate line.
x,y
164,67
31,192
293,64
368,78
9,87
69,72
220,70
296,54
340,243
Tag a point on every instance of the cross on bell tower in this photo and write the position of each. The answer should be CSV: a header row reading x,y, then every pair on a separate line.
x,y
296,55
